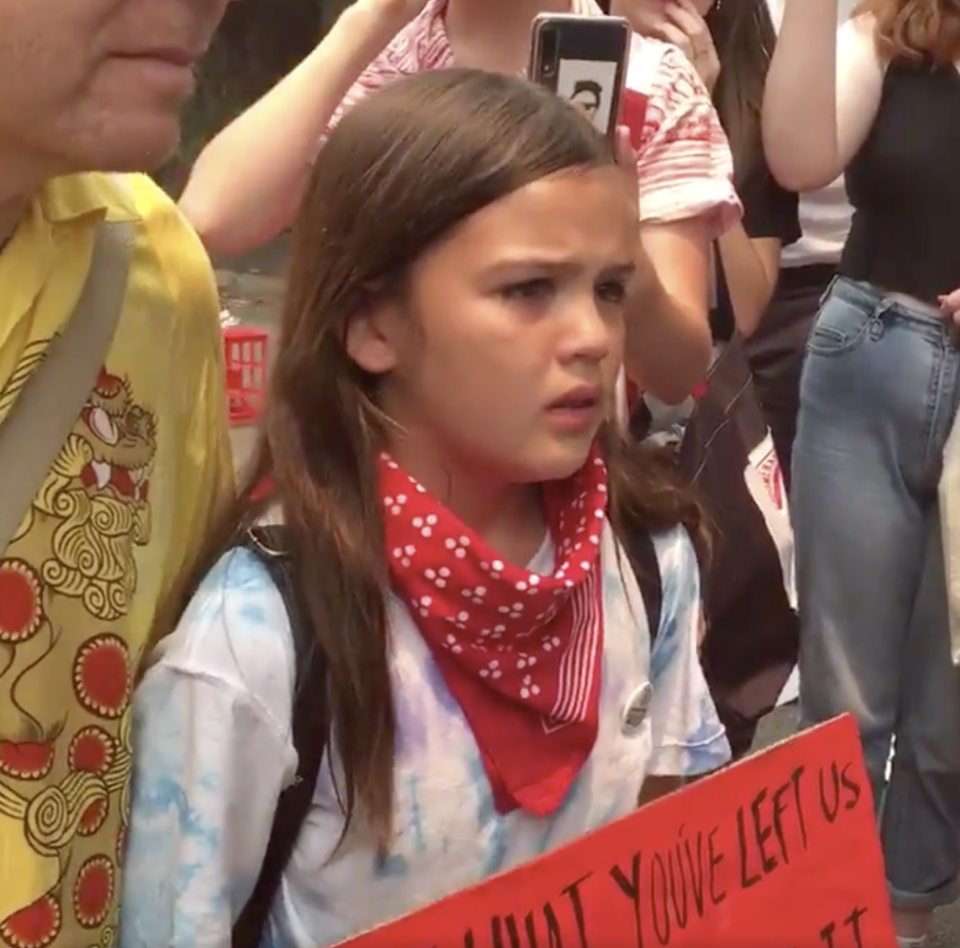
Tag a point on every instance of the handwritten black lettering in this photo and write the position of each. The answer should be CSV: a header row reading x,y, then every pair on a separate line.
x,y
630,887
826,934
852,787
572,892
762,829
837,789
716,858
678,887
660,911
852,921
695,868
506,931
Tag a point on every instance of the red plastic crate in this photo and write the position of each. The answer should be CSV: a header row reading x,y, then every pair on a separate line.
x,y
245,351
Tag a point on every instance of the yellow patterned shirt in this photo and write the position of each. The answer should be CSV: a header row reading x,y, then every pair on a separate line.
x,y
123,507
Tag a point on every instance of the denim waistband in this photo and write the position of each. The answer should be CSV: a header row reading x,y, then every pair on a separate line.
x,y
877,302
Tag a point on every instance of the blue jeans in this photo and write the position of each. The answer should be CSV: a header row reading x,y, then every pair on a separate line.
x,y
878,395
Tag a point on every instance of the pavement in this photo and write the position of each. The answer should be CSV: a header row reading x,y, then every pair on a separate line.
x,y
254,297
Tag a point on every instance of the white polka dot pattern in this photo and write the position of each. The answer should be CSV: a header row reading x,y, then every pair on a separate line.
x,y
519,650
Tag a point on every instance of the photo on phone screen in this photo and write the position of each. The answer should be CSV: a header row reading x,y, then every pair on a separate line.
x,y
589,85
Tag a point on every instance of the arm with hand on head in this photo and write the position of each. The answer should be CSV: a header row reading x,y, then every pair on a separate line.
x,y
248,182
668,344
684,172
822,94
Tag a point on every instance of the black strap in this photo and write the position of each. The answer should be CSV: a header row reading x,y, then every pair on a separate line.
x,y
310,730
311,724
642,554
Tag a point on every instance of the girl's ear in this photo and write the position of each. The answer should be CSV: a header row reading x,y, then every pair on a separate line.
x,y
372,338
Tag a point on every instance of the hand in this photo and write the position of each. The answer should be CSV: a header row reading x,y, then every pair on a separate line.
x,y
950,306
683,26
397,13
627,159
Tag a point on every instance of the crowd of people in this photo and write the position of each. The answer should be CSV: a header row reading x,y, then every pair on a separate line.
x,y
507,561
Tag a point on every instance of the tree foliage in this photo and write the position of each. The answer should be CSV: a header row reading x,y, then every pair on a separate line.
x,y
258,43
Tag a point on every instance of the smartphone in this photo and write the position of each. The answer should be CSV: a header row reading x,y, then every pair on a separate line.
x,y
583,59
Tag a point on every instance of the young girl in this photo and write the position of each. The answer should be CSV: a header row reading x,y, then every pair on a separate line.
x,y
248,182
453,499
880,390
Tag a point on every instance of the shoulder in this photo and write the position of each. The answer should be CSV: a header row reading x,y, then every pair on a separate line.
x,y
175,246
857,46
679,570
665,76
684,164
235,632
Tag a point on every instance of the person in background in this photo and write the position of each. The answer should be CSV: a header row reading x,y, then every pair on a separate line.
x,y
879,393
729,43
90,89
750,645
250,179
455,315
776,349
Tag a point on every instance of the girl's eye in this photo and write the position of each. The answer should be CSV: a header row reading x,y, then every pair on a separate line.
x,y
528,290
614,291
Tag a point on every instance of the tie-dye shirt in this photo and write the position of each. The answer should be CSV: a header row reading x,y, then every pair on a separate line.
x,y
212,723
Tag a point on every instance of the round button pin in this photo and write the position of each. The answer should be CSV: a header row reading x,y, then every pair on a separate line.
x,y
635,713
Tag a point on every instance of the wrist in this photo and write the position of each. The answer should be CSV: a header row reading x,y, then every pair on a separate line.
x,y
363,30
376,20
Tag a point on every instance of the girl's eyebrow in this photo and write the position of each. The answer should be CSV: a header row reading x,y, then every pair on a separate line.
x,y
556,265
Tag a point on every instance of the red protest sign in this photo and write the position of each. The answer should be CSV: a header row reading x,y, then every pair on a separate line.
x,y
779,851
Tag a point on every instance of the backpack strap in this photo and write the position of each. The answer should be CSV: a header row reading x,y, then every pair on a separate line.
x,y
638,544
310,732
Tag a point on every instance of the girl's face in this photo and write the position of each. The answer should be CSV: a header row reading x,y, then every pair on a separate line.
x,y
647,15
501,360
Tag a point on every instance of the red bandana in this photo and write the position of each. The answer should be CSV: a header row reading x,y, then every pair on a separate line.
x,y
520,652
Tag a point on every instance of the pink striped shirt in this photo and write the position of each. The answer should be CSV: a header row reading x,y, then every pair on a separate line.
x,y
684,166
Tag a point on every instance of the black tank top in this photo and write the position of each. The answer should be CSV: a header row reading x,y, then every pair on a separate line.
x,y
904,185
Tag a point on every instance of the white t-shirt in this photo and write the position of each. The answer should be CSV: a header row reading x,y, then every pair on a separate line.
x,y
825,214
211,730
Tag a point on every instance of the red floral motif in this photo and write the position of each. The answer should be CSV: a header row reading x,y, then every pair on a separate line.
x,y
26,760
91,750
35,926
107,384
21,611
93,817
101,676
93,891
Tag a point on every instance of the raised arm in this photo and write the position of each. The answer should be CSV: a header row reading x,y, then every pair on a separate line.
x,y
247,183
822,94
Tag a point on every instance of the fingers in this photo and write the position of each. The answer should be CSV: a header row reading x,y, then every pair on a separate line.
x,y
951,302
669,32
626,153
686,18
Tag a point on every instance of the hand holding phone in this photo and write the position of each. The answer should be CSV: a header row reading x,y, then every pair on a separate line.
x,y
583,59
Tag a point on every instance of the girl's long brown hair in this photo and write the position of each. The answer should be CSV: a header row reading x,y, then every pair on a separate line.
x,y
916,29
402,169
744,37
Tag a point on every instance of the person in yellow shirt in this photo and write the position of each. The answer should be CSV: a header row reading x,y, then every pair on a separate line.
x,y
90,90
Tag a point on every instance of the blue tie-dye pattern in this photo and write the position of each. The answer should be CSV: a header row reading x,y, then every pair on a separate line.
x,y
439,687
490,825
446,810
170,828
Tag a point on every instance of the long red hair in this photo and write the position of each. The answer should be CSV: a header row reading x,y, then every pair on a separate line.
x,y
916,29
